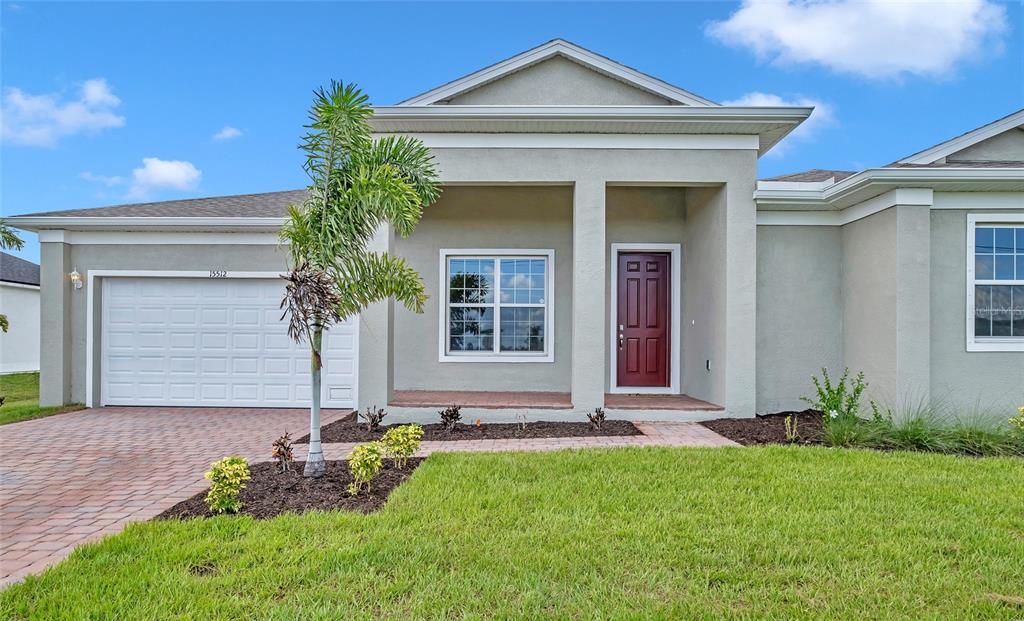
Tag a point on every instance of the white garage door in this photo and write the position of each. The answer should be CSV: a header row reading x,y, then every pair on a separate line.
x,y
212,342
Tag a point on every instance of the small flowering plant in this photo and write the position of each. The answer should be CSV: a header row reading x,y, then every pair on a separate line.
x,y
1018,420
839,400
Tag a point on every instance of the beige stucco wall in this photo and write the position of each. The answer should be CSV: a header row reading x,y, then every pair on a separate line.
x,y
557,81
485,218
642,215
964,381
85,258
799,311
869,301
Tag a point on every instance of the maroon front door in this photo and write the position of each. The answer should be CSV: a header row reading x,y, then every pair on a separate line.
x,y
642,325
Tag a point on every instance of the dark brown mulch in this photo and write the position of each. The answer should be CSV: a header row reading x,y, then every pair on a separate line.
x,y
347,430
769,428
269,493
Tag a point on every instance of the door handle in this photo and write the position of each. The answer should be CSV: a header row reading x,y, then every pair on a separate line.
x,y
620,336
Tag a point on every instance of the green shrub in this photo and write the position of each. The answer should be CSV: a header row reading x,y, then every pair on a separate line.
x,y
839,400
364,462
401,443
1018,421
226,479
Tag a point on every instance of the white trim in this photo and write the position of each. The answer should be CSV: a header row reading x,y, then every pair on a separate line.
x,y
557,47
18,285
979,200
91,275
675,273
138,238
902,196
835,195
942,150
34,223
549,306
719,114
992,343
587,141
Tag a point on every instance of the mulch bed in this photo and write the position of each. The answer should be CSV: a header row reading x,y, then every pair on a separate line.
x,y
348,430
270,493
769,428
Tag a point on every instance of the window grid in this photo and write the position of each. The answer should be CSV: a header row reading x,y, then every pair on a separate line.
x,y
998,287
523,277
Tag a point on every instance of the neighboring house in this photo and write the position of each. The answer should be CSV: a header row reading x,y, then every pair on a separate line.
x,y
602,240
19,301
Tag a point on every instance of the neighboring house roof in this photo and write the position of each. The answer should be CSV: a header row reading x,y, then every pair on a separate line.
x,y
563,48
967,139
963,164
265,205
17,270
815,174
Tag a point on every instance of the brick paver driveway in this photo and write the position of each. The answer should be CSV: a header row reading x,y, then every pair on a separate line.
x,y
75,477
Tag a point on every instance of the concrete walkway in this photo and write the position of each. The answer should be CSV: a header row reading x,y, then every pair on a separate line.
x,y
110,466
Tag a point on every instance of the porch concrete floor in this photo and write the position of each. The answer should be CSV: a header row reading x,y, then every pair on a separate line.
x,y
541,400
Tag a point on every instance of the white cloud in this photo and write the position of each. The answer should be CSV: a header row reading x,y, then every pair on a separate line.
x,y
871,38
227,133
41,120
102,179
158,174
823,115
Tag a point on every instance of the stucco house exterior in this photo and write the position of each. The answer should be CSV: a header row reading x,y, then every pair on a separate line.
x,y
602,240
19,302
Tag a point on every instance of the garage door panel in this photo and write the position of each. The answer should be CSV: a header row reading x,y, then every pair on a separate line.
x,y
212,342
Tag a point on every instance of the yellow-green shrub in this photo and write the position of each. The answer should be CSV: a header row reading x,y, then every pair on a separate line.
x,y
226,479
1018,421
401,443
364,462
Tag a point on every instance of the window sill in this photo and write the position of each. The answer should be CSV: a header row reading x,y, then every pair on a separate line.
x,y
996,346
548,358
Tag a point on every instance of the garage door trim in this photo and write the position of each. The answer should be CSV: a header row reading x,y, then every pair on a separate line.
x,y
91,398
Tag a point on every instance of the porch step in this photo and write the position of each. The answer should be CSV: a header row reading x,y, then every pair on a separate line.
x,y
658,402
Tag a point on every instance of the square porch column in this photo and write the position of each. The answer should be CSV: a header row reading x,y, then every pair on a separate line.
x,y
588,294
375,373
55,323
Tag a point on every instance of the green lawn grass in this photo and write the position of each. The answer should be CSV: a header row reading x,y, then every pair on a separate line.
x,y
22,399
778,532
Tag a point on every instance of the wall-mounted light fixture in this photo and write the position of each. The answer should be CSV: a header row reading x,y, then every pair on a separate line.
x,y
76,279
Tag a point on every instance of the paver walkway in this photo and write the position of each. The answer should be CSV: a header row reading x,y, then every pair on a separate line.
x,y
110,466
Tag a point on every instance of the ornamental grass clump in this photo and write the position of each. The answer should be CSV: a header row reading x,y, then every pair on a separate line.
x,y
401,443
364,462
227,479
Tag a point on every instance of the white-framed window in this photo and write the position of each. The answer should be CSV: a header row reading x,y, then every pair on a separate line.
x,y
995,282
497,305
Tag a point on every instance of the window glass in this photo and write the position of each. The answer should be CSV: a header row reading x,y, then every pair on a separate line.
x,y
999,259
520,304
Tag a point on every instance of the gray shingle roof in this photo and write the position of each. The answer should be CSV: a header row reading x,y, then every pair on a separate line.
x,y
16,269
815,174
265,205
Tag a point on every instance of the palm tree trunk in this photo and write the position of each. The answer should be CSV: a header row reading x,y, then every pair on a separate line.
x,y
315,464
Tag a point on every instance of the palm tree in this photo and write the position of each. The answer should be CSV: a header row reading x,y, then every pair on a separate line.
x,y
357,183
8,239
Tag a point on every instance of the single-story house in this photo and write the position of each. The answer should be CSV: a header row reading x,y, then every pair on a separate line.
x,y
19,302
602,240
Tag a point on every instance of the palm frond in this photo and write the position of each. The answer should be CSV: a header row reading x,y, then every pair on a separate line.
x,y
375,276
8,238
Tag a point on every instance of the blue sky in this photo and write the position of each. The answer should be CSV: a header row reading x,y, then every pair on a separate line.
x,y
115,102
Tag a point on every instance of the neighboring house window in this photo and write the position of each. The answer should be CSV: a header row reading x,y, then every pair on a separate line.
x,y
497,306
995,283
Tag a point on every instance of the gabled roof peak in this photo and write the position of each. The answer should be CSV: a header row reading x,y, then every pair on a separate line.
x,y
933,154
571,51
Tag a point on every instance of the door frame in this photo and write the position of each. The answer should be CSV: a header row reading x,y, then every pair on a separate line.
x,y
675,272
94,316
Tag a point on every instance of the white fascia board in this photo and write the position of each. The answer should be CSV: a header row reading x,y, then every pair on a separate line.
x,y
832,217
39,223
883,178
773,114
557,47
18,285
586,141
963,141
143,238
